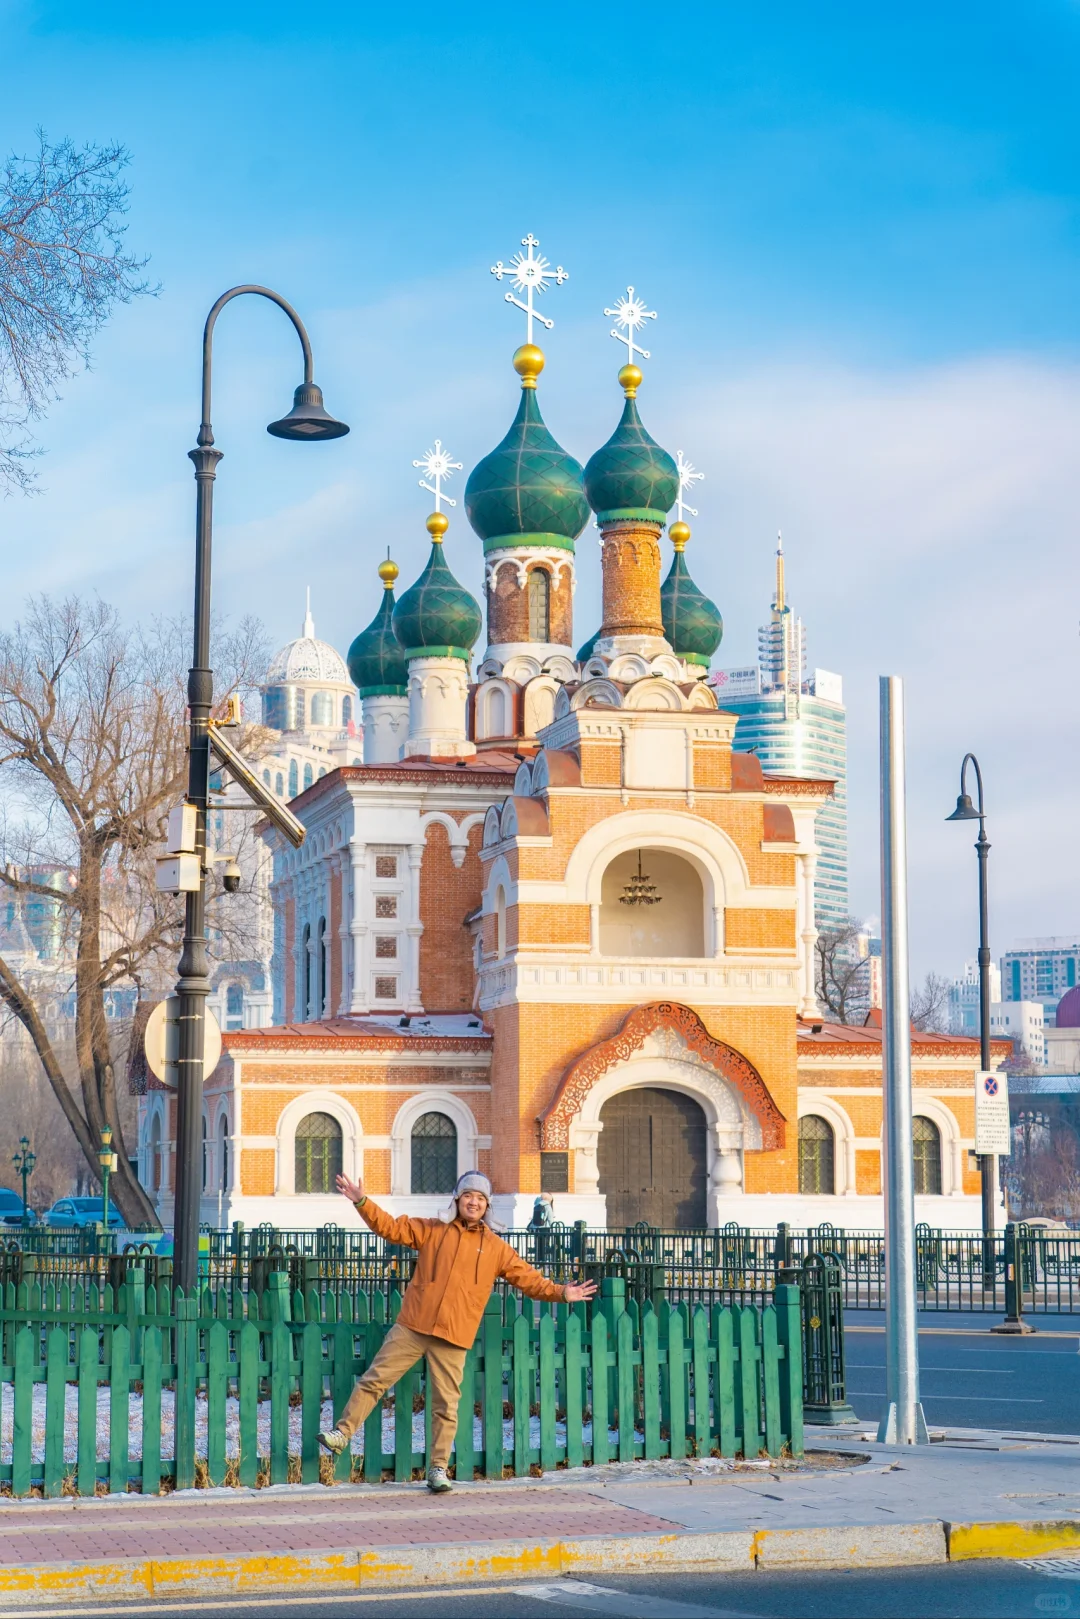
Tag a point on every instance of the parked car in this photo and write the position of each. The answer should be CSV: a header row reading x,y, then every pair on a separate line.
x,y
80,1212
11,1211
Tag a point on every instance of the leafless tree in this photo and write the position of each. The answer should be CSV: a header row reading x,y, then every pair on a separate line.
x,y
930,1005
842,972
62,269
92,758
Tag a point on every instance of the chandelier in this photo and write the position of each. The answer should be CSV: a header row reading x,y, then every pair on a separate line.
x,y
639,890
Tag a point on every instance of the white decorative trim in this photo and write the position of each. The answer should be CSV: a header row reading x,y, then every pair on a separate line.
x,y
519,559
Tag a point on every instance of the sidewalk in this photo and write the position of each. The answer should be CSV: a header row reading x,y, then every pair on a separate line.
x,y
975,1494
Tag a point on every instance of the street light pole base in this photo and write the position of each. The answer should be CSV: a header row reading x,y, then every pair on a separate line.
x,y
889,1427
1015,1327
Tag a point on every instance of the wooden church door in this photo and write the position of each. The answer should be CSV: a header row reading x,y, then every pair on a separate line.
x,y
652,1159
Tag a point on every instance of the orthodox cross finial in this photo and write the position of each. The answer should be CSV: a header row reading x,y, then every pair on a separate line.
x,y
530,273
630,313
438,465
687,479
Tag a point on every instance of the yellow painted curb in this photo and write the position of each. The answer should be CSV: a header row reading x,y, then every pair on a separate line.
x,y
969,1540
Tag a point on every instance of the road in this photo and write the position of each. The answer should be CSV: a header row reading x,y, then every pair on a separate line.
x,y
991,1590
973,1378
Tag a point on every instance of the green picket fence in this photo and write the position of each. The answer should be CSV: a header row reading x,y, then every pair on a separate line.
x,y
145,1392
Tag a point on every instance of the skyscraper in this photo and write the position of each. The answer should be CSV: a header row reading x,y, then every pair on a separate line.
x,y
797,726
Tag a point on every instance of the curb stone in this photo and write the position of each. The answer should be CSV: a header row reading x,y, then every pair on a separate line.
x,y
396,1567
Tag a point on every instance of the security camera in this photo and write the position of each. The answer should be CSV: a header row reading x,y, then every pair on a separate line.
x,y
231,877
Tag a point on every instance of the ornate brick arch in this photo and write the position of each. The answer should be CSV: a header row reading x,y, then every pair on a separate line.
x,y
636,1028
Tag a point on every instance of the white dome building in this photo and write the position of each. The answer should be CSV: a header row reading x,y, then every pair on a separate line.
x,y
308,687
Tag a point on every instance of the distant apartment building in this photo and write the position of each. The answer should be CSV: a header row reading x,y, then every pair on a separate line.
x,y
1023,1023
797,726
964,999
1041,970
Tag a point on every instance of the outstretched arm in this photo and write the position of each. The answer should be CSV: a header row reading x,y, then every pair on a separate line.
x,y
409,1233
521,1275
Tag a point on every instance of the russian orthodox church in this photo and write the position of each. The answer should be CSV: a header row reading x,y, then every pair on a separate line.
x,y
545,922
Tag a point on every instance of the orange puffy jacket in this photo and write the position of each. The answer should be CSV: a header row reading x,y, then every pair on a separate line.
x,y
456,1270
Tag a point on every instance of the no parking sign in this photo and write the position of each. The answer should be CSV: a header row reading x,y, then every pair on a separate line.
x,y
992,1136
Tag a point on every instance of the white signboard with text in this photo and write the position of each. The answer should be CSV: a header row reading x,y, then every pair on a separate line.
x,y
992,1134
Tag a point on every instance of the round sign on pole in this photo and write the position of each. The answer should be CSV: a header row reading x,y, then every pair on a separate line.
x,y
162,1042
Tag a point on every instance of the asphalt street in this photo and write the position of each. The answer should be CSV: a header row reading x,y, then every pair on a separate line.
x,y
973,1378
990,1590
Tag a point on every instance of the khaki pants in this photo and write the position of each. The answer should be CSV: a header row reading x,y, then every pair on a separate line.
x,y
401,1349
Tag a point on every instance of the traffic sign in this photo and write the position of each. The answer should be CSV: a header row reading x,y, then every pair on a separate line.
x,y
992,1132
162,1042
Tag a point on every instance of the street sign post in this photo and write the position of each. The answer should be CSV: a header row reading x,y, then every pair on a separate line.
x,y
162,1043
992,1131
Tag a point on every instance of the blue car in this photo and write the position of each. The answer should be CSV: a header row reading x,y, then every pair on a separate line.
x,y
79,1212
11,1211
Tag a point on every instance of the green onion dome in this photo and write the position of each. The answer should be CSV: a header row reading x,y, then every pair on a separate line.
x,y
528,491
631,476
692,623
376,665
585,652
436,617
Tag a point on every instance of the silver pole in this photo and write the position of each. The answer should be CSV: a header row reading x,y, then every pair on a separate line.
x,y
902,1422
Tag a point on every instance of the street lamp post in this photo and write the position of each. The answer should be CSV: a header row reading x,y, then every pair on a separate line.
x,y
307,420
988,1165
107,1161
24,1161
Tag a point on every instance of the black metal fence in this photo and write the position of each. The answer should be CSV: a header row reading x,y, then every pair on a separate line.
x,y
1029,1271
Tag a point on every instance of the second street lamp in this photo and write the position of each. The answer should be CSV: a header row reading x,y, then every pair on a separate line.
x,y
988,1166
24,1161
107,1161
308,419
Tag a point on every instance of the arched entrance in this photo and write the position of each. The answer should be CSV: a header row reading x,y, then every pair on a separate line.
x,y
652,1158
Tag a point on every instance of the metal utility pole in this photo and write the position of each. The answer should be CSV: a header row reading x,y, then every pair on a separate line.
x,y
902,1421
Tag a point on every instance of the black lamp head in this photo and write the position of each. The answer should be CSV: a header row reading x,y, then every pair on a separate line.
x,y
308,418
965,809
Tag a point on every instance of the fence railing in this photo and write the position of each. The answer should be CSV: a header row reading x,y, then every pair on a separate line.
x,y
140,1387
729,1265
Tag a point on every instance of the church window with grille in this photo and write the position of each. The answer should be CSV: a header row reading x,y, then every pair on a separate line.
x,y
926,1145
434,1154
318,1153
817,1155
309,776
539,605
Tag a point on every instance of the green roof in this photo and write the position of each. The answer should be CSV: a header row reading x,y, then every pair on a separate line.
x,y
631,475
436,614
528,486
585,652
692,623
376,665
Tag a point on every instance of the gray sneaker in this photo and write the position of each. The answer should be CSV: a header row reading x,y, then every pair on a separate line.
x,y
437,1481
334,1441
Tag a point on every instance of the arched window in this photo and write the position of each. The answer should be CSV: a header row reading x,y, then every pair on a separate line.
x,y
223,1152
322,708
500,921
294,778
319,1008
279,785
234,1006
673,926
309,777
817,1157
346,712
434,1154
494,712
318,1153
305,972
266,777
300,709
539,604
155,1178
926,1146
322,773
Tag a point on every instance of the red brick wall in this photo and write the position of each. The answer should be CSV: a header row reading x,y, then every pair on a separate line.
x,y
447,895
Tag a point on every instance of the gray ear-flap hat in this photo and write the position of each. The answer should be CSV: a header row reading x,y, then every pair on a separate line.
x,y
472,1181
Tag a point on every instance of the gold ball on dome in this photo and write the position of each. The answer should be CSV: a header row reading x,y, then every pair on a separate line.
x,y
388,572
528,363
437,525
680,533
630,380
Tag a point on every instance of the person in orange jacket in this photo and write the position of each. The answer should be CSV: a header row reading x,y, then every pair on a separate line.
x,y
460,1258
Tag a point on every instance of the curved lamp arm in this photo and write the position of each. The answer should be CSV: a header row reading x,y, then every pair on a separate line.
x,y
206,434
969,758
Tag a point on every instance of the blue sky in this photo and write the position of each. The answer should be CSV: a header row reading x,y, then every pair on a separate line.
x,y
859,226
